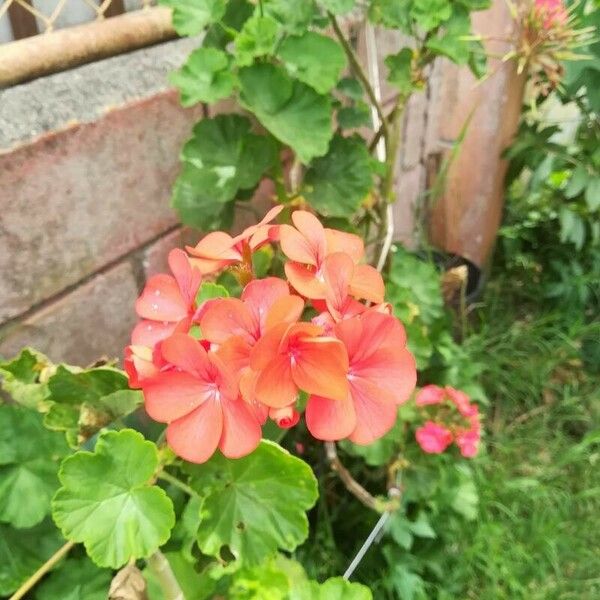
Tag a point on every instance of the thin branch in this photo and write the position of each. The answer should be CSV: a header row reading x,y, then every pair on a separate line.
x,y
184,487
360,73
161,568
357,490
47,566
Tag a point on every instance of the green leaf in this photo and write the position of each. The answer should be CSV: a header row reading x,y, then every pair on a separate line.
x,y
254,505
350,87
81,402
338,7
450,43
257,38
206,76
466,500
107,501
24,551
315,59
350,117
294,15
592,194
75,579
422,528
429,14
337,183
23,377
335,588
222,158
209,290
29,459
400,70
292,111
190,17
391,13
236,14
401,530
572,227
577,183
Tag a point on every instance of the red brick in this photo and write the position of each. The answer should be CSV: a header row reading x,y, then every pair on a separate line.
x,y
92,321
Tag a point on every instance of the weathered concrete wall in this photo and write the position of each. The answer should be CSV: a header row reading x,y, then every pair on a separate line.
x,y
87,161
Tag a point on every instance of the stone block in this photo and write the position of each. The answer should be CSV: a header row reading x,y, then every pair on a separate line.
x,y
77,200
92,321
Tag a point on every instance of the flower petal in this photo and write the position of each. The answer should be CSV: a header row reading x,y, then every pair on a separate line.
x,y
173,394
161,300
217,245
195,437
188,278
341,241
367,283
338,269
275,386
373,417
330,420
285,310
321,367
225,317
241,430
186,353
149,333
304,280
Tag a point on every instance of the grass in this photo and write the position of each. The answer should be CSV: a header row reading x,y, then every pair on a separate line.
x,y
538,535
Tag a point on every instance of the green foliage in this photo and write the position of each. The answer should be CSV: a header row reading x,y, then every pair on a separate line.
x,y
303,58
192,16
24,377
337,183
81,402
205,77
29,459
223,158
108,503
253,505
257,37
24,551
292,111
75,579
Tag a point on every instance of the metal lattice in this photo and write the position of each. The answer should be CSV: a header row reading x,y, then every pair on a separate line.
x,y
24,18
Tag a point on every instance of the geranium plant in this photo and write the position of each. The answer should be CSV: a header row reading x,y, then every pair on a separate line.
x,y
283,328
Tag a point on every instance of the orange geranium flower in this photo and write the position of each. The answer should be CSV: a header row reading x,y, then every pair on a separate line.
x,y
289,358
218,249
381,375
167,301
198,397
308,244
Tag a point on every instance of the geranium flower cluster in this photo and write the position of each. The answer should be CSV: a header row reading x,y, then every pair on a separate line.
x,y
216,371
451,417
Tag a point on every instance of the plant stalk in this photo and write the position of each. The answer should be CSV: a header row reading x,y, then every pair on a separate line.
x,y
184,487
360,73
45,568
161,568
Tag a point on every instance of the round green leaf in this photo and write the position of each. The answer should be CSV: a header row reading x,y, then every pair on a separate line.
x,y
292,111
294,16
75,579
336,184
107,502
335,588
254,505
192,16
257,38
338,7
20,377
400,70
205,77
222,158
315,59
24,551
29,459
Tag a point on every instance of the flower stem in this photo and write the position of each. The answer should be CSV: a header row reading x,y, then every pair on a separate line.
x,y
184,487
360,72
162,570
47,566
357,490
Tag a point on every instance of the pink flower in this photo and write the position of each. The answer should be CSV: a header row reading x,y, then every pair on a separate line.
x,y
285,417
462,402
552,12
433,438
430,394
468,442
